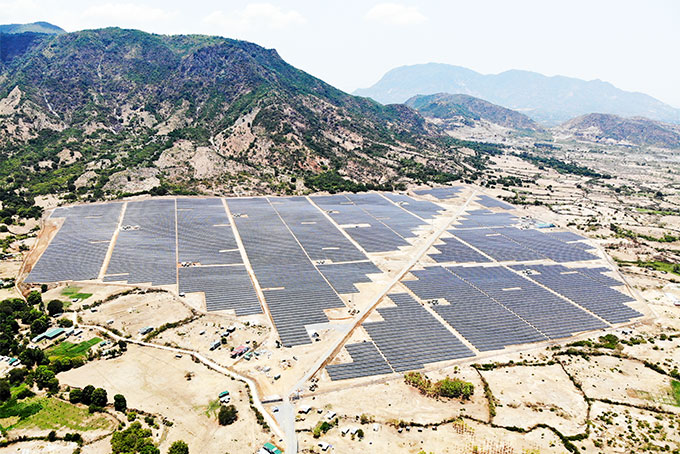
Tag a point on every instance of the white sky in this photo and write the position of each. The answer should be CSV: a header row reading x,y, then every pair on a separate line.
x,y
352,43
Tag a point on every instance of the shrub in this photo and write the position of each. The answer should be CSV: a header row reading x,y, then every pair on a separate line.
x,y
227,415
178,447
55,307
75,395
119,403
99,397
5,392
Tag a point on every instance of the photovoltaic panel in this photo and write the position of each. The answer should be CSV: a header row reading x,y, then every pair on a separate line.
x,y
491,202
225,288
78,249
484,322
567,237
400,221
410,337
366,361
423,208
343,276
548,313
497,246
204,233
585,291
145,250
545,245
485,218
295,292
445,193
452,250
319,237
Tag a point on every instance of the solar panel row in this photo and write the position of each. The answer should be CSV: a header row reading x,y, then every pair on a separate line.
x,y
585,291
491,202
78,249
545,245
495,245
422,208
225,288
146,251
366,361
410,337
343,276
481,320
550,314
454,251
204,234
441,193
295,291
485,218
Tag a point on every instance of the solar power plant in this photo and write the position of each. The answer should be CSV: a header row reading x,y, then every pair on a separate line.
x,y
547,246
454,251
295,292
400,221
491,202
551,315
78,249
421,208
146,252
204,234
580,245
598,298
343,276
497,246
366,361
225,287
597,274
410,337
484,322
566,236
485,218
319,237
441,193
372,235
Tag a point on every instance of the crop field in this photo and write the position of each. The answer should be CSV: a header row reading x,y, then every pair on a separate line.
x,y
70,350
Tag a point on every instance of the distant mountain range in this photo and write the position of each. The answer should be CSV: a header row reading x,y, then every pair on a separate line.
x,y
35,27
466,110
547,100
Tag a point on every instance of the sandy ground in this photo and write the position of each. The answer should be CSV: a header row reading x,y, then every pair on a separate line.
x,y
155,381
622,380
132,312
531,395
39,447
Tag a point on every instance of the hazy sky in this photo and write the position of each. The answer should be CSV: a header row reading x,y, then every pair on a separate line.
x,y
351,43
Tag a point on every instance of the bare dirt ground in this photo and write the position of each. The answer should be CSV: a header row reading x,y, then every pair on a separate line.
x,y
531,395
155,381
39,447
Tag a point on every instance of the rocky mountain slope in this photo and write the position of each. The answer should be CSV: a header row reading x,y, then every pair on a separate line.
x,y
547,100
35,27
116,111
452,111
612,129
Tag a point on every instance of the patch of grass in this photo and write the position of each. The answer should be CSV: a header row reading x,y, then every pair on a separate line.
x,y
659,212
55,414
675,391
212,408
654,265
70,350
74,292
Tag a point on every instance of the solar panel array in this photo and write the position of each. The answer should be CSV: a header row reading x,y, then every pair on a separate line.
x,y
204,234
366,361
449,192
547,312
343,276
598,275
491,202
547,246
398,220
225,287
295,291
423,208
320,239
495,245
147,252
587,292
410,337
78,249
485,218
454,251
567,237
483,321
372,235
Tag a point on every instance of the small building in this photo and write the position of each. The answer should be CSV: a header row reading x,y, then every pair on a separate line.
x,y
215,345
50,334
305,409
224,393
271,449
146,330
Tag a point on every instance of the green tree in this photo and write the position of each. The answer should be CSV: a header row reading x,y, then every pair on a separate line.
x,y
55,307
99,398
39,326
34,298
119,402
43,377
5,392
86,396
133,440
75,395
227,415
178,447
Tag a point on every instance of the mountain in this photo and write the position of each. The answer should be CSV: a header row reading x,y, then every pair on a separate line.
x,y
547,100
103,112
35,27
612,129
452,110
